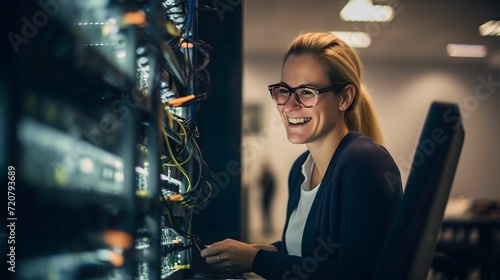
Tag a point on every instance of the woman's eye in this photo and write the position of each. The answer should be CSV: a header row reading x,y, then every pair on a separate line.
x,y
305,91
283,91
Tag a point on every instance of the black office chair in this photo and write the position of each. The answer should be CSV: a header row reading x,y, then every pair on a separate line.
x,y
409,247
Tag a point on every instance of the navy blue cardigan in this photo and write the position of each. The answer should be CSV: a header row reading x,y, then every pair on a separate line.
x,y
349,217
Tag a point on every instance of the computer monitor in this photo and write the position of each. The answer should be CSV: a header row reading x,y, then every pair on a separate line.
x,y
412,236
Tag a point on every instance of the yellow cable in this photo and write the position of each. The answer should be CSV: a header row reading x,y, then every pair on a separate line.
x,y
169,117
176,162
171,124
185,141
196,244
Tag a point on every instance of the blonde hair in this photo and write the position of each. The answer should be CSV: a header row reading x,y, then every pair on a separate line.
x,y
342,66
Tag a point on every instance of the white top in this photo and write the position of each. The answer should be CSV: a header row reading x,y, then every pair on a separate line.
x,y
295,229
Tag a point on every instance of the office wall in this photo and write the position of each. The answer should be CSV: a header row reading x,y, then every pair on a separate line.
x,y
402,93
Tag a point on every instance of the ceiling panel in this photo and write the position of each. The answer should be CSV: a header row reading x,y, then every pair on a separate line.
x,y
419,32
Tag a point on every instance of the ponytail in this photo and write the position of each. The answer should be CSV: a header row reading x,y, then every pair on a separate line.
x,y
363,118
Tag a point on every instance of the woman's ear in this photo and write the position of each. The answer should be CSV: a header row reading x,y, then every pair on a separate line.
x,y
347,97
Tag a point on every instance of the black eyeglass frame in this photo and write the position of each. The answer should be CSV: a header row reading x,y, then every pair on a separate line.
x,y
291,90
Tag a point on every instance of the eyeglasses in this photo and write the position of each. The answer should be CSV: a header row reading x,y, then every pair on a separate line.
x,y
305,96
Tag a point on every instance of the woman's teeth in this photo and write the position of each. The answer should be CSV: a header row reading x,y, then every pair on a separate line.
x,y
298,120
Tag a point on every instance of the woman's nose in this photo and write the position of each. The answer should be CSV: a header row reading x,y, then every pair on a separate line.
x,y
292,104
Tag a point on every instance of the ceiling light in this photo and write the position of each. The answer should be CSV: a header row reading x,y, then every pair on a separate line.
x,y
490,28
364,10
464,50
355,39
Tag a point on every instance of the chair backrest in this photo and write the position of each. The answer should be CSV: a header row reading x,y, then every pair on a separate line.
x,y
412,235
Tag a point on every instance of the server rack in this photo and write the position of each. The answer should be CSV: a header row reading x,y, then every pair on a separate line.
x,y
101,137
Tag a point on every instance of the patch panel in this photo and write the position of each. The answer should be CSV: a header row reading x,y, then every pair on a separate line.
x,y
105,103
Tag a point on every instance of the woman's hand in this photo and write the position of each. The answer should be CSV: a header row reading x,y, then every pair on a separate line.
x,y
230,256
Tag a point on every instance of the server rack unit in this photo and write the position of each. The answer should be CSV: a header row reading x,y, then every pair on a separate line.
x,y
101,134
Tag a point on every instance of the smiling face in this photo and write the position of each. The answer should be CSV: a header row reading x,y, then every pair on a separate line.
x,y
317,124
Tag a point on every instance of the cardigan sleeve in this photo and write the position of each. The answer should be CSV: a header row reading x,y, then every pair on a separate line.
x,y
365,209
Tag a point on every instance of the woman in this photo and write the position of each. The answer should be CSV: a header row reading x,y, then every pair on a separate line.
x,y
341,192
